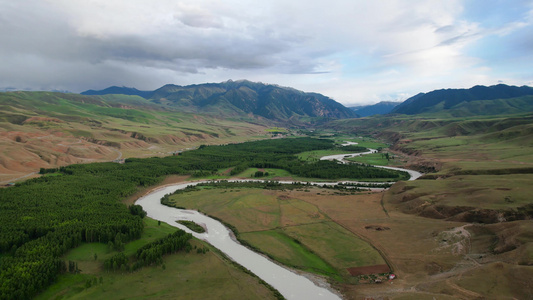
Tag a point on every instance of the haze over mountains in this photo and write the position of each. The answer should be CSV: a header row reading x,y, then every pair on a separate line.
x,y
381,108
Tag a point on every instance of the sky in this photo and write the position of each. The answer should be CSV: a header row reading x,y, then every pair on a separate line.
x,y
356,52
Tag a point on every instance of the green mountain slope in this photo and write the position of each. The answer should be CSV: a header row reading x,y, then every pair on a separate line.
x,y
478,100
238,98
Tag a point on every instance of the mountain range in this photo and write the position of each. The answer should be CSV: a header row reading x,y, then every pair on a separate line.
x,y
291,106
478,100
240,98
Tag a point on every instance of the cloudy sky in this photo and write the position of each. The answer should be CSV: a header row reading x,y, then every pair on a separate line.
x,y
354,51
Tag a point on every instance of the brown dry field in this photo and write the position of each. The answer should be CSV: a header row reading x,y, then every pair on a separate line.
x,y
25,149
413,246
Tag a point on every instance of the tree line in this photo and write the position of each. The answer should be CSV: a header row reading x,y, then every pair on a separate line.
x,y
151,253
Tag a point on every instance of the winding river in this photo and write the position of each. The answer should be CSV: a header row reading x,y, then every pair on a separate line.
x,y
290,284
341,158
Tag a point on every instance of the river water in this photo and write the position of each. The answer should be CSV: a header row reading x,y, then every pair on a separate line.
x,y
341,158
288,283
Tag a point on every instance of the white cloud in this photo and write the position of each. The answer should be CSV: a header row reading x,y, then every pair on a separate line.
x,y
352,51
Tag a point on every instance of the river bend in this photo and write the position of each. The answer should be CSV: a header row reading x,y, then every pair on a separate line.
x,y
288,283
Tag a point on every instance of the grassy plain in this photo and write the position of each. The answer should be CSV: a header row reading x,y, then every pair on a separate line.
x,y
182,275
376,159
284,226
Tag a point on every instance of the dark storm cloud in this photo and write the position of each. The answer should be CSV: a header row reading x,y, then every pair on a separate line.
x,y
32,39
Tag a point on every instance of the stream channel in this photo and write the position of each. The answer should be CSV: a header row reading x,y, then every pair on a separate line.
x,y
290,284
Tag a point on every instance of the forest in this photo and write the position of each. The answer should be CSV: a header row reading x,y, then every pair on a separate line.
x,y
43,218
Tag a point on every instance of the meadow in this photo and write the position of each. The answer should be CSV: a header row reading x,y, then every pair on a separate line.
x,y
193,275
285,227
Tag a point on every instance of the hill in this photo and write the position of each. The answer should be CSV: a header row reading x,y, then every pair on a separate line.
x,y
471,210
241,98
381,108
46,129
478,100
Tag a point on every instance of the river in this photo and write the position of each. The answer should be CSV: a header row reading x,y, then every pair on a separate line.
x,y
341,158
290,284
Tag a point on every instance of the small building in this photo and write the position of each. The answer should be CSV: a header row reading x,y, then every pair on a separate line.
x,y
392,276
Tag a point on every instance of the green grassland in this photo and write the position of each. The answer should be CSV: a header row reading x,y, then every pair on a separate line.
x,y
192,226
377,159
184,276
289,251
272,173
457,143
292,231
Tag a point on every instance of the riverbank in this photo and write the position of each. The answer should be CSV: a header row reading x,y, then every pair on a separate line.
x,y
290,285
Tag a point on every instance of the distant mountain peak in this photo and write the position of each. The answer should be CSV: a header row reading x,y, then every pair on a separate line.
x,y
464,99
242,97
117,90
380,108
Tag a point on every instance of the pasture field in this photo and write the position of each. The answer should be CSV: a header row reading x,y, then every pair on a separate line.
x,y
289,251
182,275
372,159
285,227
